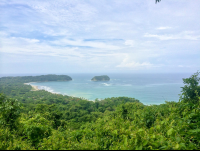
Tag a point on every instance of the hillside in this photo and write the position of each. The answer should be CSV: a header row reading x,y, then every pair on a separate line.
x,y
42,120
42,78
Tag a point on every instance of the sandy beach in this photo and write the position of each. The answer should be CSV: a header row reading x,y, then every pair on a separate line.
x,y
34,88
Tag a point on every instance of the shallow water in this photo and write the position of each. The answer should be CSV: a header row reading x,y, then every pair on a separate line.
x,y
148,88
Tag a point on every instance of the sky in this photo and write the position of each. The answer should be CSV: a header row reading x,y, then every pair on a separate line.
x,y
99,36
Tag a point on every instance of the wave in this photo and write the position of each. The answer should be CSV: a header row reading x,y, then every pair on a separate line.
x,y
106,84
30,83
47,89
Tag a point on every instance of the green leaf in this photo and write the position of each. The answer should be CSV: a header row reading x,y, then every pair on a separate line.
x,y
162,122
125,141
115,131
139,148
182,145
136,141
178,139
163,147
145,142
177,146
153,136
158,127
170,131
194,131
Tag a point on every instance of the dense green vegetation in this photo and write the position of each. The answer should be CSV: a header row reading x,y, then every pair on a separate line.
x,y
42,78
41,120
100,78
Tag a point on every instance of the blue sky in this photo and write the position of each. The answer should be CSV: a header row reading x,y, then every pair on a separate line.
x,y
99,36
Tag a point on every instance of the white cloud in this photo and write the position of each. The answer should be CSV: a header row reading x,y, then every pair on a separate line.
x,y
188,35
34,47
3,34
64,12
24,40
186,66
61,29
134,64
130,43
78,43
128,63
162,28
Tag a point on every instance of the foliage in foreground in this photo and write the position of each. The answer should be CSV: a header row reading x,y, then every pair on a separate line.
x,y
57,122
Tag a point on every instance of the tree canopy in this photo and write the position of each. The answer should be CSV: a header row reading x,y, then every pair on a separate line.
x,y
45,121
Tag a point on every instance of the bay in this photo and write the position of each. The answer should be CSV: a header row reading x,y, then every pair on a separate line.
x,y
154,88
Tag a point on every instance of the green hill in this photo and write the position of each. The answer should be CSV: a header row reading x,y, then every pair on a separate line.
x,y
41,120
42,78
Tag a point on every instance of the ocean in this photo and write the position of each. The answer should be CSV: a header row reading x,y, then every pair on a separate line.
x,y
155,88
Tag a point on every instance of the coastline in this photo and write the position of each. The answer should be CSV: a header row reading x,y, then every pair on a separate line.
x,y
34,87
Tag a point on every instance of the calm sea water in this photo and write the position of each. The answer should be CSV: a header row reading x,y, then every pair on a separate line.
x,y
148,88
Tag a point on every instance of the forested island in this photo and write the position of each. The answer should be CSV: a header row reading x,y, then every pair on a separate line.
x,y
42,78
42,120
100,78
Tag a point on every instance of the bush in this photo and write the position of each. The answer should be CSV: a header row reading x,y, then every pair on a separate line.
x,y
9,112
36,128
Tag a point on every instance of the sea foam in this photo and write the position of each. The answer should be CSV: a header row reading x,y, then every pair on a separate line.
x,y
106,84
47,89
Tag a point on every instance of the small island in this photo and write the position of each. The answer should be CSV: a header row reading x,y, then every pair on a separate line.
x,y
100,78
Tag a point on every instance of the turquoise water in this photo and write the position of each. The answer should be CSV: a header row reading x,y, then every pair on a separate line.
x,y
148,88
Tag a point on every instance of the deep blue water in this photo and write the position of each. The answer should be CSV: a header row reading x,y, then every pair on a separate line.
x,y
148,88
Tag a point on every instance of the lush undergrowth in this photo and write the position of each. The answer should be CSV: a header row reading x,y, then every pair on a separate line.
x,y
41,120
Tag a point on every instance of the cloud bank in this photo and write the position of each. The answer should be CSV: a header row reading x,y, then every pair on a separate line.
x,y
99,36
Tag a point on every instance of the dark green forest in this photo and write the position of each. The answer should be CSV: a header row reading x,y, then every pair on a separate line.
x,y
41,120
100,78
42,78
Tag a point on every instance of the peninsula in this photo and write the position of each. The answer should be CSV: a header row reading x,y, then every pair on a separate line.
x,y
42,78
100,78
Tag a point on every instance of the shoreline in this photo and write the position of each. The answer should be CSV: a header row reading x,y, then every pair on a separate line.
x,y
35,88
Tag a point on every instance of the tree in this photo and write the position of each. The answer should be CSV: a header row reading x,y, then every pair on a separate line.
x,y
36,128
191,91
9,112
